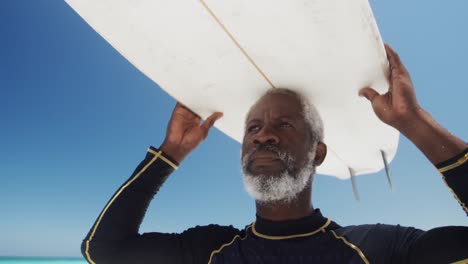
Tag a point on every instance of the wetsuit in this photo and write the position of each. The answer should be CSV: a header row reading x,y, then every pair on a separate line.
x,y
114,237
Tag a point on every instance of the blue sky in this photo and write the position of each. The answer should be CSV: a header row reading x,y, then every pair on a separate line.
x,y
76,118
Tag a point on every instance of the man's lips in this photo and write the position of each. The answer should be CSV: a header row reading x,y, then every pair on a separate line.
x,y
264,156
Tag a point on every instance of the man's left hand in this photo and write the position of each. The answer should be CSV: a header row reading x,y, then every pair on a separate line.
x,y
397,107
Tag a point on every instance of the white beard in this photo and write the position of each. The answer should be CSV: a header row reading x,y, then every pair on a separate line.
x,y
285,187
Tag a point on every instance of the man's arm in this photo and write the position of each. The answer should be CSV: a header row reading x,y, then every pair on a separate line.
x,y
114,237
400,109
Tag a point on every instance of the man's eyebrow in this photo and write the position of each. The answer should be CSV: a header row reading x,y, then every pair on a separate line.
x,y
254,120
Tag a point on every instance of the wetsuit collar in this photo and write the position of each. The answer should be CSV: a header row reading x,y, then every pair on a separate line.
x,y
306,226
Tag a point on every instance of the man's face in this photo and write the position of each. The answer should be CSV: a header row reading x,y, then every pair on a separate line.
x,y
276,122
277,144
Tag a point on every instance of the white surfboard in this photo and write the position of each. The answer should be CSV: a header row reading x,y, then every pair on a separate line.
x,y
221,55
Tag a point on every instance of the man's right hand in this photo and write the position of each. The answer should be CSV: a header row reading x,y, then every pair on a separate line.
x,y
184,132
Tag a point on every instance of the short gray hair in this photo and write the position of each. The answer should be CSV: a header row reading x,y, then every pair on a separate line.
x,y
311,115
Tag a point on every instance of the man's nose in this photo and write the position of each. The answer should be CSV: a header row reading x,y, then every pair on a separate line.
x,y
265,136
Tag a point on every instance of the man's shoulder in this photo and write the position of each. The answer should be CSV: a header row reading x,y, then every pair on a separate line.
x,y
214,229
378,230
380,242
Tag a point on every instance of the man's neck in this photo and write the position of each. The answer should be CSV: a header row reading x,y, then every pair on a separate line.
x,y
282,210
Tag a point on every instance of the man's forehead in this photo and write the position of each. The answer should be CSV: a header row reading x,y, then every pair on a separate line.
x,y
284,105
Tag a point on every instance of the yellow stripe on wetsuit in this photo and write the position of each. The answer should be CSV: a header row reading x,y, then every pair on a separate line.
x,y
157,154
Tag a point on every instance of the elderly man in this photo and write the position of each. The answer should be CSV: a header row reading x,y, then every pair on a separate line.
x,y
282,146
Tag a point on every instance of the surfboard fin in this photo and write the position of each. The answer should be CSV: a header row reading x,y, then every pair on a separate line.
x,y
353,183
387,171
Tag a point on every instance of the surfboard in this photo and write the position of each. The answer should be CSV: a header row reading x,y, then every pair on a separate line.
x,y
214,55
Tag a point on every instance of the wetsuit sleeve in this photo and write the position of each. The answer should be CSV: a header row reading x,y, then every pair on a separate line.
x,y
114,237
446,244
455,174
407,245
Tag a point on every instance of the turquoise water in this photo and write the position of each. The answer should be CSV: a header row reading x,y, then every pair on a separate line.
x,y
16,260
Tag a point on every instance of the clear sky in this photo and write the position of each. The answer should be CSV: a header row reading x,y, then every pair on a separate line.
x,y
76,118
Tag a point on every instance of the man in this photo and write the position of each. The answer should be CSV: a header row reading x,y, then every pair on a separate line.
x,y
282,146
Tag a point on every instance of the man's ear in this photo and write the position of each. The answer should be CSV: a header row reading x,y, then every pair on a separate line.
x,y
320,153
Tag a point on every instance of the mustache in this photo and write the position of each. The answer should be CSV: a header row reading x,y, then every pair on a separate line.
x,y
266,147
286,157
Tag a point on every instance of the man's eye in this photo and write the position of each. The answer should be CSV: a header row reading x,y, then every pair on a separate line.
x,y
285,125
253,128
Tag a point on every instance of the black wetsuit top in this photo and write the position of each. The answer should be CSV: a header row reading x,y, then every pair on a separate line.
x,y
114,237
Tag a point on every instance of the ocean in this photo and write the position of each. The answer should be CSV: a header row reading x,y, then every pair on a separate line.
x,y
41,260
